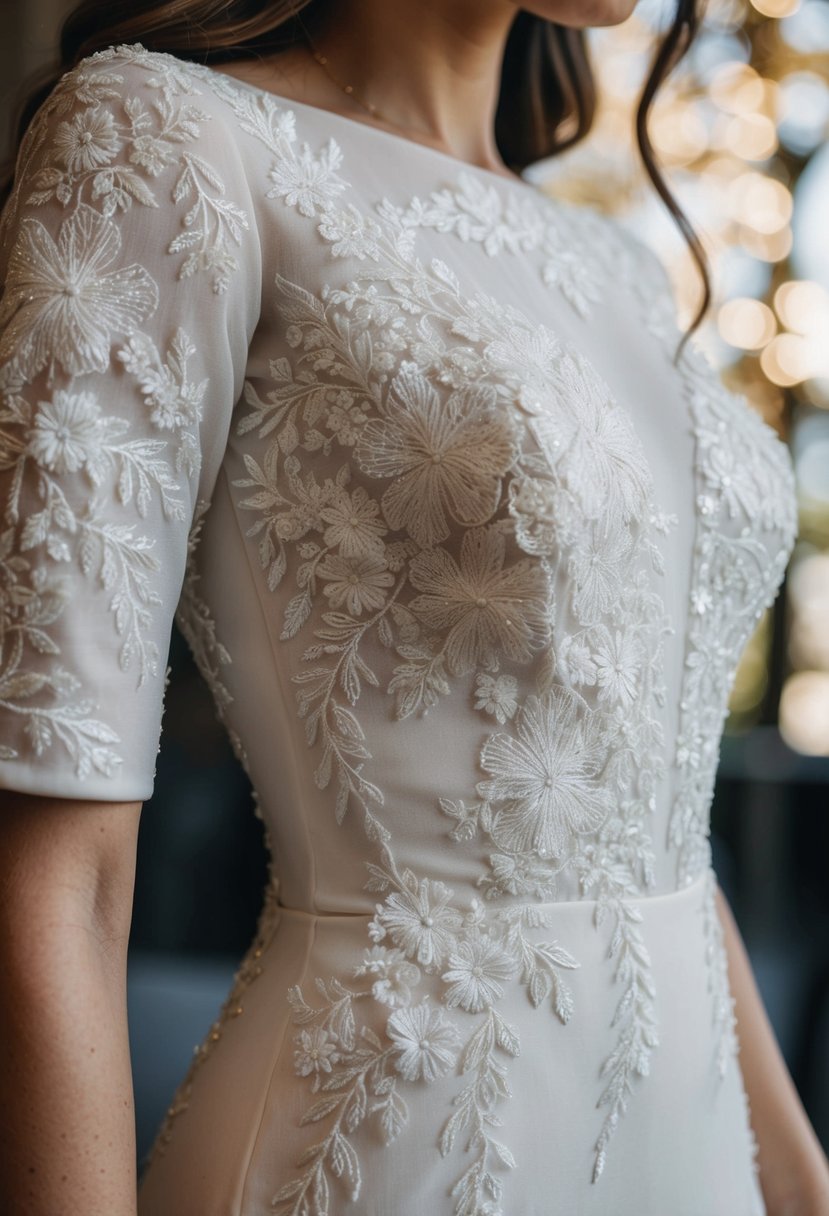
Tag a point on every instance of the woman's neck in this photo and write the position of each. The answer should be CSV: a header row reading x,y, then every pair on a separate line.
x,y
432,67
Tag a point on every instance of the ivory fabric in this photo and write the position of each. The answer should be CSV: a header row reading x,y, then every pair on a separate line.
x,y
467,561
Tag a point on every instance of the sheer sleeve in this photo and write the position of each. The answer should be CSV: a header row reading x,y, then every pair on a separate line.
x,y
132,284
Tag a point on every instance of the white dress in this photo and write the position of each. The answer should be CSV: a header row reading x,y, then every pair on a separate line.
x,y
467,562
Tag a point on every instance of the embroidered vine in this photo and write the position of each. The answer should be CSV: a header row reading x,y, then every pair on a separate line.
x,y
73,311
450,508
744,538
501,472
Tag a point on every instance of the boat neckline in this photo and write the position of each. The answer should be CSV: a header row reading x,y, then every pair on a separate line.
x,y
459,165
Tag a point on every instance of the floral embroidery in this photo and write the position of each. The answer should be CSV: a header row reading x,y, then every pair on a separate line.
x,y
745,533
446,458
462,477
95,155
486,610
88,141
723,1004
396,976
575,245
61,303
69,296
423,1044
476,975
65,432
497,695
426,1043
547,776
485,518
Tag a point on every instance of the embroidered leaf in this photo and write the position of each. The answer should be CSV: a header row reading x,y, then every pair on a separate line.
x,y
288,1191
394,1115
503,1154
562,999
26,684
539,985
478,1047
506,1036
321,1108
297,611
556,955
312,1153
447,276
378,880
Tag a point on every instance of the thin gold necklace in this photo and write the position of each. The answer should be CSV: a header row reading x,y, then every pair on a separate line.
x,y
349,89
322,60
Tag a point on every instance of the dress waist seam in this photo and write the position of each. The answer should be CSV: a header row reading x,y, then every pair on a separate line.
x,y
689,889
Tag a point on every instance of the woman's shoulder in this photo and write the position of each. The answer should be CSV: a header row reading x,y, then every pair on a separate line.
x,y
129,102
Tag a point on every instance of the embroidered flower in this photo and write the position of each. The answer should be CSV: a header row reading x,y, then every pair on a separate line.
x,y
476,975
152,153
540,511
489,612
88,141
65,431
308,183
730,477
525,358
592,444
548,774
349,232
598,565
61,302
316,1051
618,660
497,695
447,457
396,976
574,661
426,1042
345,420
354,525
173,401
357,582
421,922
579,279
475,212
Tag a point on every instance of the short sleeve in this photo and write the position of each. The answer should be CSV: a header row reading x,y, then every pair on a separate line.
x,y
132,276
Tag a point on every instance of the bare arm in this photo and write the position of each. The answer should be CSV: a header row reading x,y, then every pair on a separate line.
x,y
794,1172
67,1123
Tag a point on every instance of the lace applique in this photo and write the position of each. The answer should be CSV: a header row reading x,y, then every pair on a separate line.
x,y
723,1005
577,247
367,551
441,533
746,526
198,628
109,157
61,304
69,297
359,1072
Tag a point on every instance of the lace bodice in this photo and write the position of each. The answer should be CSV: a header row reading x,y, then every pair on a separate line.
x,y
466,560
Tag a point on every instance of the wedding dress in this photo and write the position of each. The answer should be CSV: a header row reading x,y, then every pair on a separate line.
x,y
467,561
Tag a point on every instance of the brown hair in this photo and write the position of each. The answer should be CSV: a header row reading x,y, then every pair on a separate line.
x,y
547,100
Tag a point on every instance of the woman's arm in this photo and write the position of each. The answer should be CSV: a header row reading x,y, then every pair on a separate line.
x,y
794,1172
67,1122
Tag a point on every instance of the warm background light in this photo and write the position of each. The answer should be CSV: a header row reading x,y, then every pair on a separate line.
x,y
746,323
804,712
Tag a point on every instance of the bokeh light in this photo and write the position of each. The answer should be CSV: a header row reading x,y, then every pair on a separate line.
x,y
804,712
